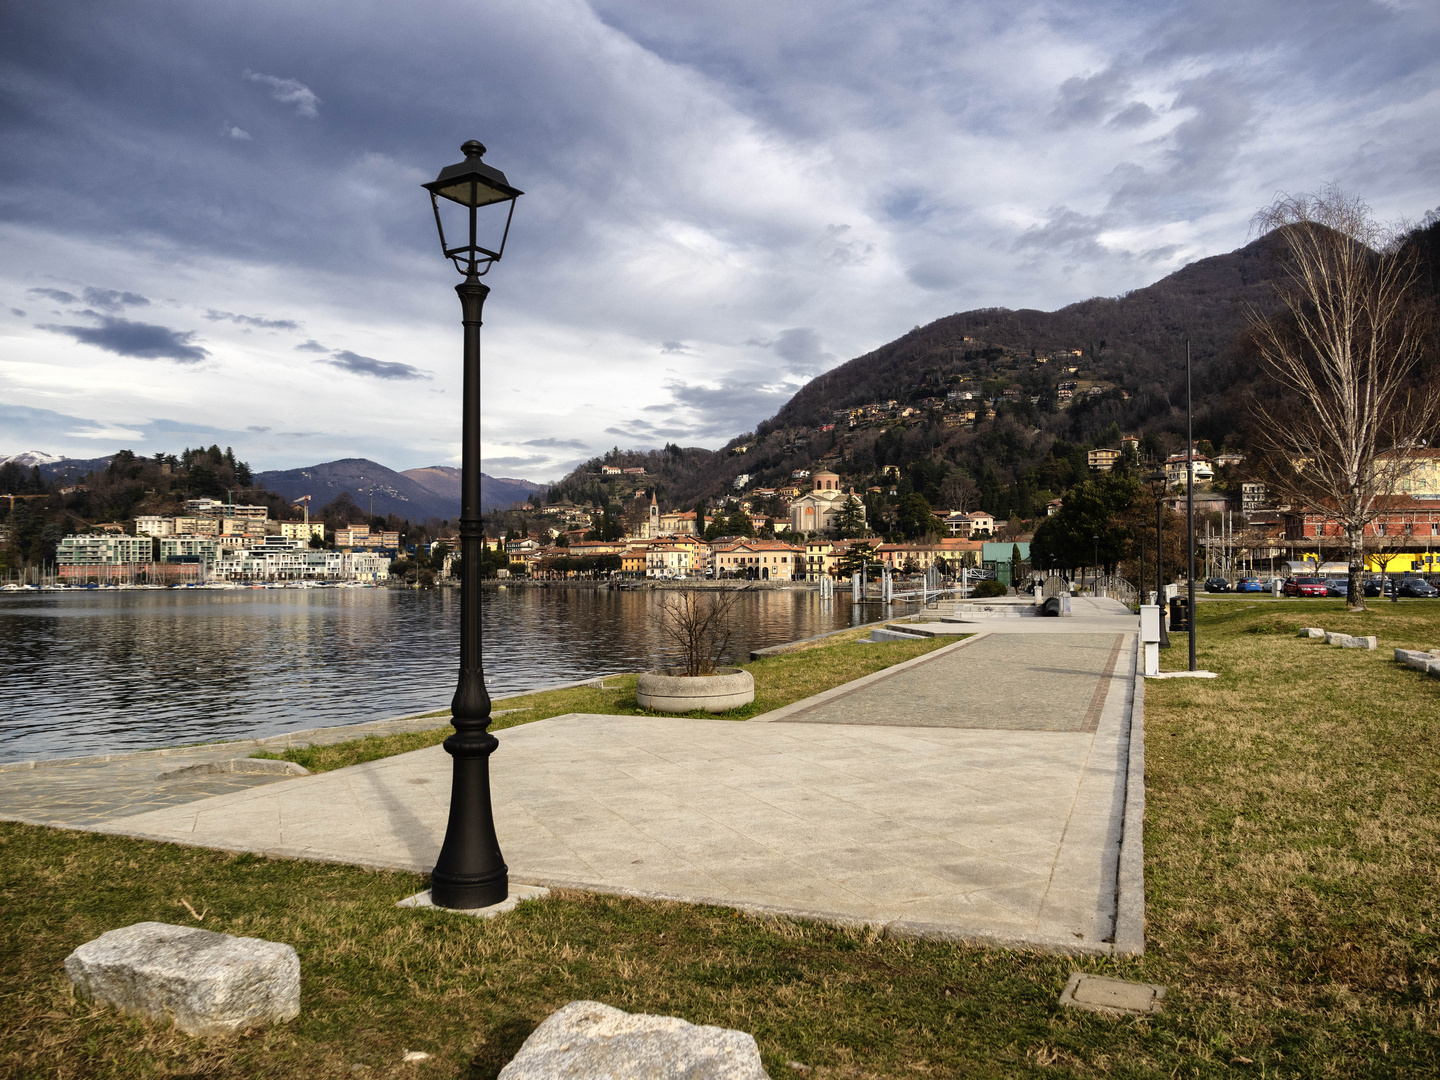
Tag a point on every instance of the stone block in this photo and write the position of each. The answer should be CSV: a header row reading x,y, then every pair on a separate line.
x,y
1115,997
1336,639
589,1041
1412,658
208,983
1361,643
1433,668
1311,632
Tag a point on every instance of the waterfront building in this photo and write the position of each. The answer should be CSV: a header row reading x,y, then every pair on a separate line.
x,y
202,549
952,552
104,549
765,560
677,557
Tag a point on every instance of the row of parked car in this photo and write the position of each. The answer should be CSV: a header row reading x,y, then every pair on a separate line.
x,y
1409,586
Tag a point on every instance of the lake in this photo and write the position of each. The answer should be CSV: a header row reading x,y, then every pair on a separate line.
x,y
96,671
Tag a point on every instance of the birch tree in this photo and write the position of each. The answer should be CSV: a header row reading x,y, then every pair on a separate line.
x,y
1346,345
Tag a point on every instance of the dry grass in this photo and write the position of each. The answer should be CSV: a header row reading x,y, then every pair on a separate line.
x,y
779,681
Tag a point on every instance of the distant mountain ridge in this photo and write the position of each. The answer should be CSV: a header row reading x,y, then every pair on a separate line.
x,y
415,494
496,492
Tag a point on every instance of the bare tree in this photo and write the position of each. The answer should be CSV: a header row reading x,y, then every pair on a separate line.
x,y
1347,341
697,626
959,492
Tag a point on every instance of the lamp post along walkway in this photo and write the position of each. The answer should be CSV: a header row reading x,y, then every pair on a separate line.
x,y
470,871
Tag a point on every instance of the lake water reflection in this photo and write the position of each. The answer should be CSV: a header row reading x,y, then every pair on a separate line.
x,y
87,672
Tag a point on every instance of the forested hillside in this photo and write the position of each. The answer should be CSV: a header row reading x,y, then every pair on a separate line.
x,y
1076,378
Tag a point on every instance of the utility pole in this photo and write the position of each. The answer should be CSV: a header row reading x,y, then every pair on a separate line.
x,y
1190,500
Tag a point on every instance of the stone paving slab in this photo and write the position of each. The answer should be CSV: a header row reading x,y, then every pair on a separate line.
x,y
999,681
1000,836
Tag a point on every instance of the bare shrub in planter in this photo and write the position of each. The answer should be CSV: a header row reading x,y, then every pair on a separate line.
x,y
697,627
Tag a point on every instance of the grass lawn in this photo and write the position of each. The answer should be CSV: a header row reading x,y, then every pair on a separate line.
x,y
779,680
1291,866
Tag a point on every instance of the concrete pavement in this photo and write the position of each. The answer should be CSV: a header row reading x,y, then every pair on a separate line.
x,y
989,792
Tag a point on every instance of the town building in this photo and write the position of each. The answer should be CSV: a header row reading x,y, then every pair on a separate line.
x,y
951,553
675,557
1103,459
154,525
973,523
302,530
1253,497
1175,470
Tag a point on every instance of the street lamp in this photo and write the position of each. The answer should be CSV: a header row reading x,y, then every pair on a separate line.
x,y
470,872
1158,483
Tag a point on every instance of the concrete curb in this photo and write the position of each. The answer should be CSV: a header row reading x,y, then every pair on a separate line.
x,y
1129,935
865,680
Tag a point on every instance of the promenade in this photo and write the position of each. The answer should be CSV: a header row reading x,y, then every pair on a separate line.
x,y
989,791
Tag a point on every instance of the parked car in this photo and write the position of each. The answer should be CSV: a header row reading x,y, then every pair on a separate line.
x,y
1337,586
1304,586
1373,587
1216,584
1416,587
1249,584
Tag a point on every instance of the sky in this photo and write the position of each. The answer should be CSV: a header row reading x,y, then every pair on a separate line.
x,y
214,231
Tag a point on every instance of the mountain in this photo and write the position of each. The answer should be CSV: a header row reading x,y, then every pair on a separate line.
x,y
496,492
30,459
365,480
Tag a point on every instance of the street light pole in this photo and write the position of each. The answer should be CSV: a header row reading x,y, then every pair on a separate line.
x,y
470,871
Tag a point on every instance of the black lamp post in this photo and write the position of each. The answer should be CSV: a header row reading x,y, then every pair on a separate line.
x,y
1158,483
470,871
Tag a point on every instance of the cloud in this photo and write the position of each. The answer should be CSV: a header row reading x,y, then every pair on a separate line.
x,y
233,132
144,340
289,92
255,320
113,299
801,346
1087,100
673,347
311,346
366,365
19,313
111,433
558,444
58,295
515,462
258,429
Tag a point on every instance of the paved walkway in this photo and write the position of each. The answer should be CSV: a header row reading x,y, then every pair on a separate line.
x,y
977,793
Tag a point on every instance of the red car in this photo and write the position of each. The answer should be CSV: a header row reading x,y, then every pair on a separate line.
x,y
1305,586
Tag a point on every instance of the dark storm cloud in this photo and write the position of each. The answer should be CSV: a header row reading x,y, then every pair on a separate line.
x,y
255,320
143,340
367,365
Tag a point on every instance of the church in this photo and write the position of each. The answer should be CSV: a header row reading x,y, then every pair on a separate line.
x,y
817,510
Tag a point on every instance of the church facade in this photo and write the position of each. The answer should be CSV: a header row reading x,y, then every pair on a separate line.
x,y
818,510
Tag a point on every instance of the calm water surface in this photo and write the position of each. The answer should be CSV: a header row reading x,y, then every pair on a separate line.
x,y
94,671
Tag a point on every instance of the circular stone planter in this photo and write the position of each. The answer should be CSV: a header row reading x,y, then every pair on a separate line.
x,y
665,691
